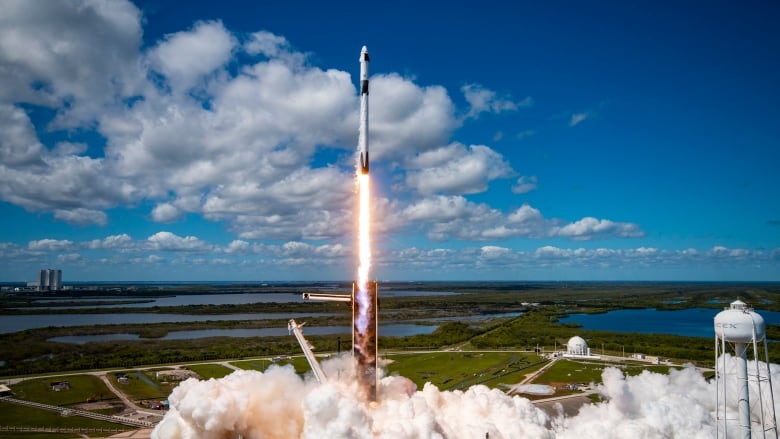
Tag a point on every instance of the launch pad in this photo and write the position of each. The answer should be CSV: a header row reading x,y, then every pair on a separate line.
x,y
365,346
364,301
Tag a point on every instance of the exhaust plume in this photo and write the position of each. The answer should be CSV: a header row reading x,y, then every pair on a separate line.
x,y
279,404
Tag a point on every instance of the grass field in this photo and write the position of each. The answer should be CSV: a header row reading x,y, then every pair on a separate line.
x,y
457,370
82,389
258,365
589,371
13,415
142,385
20,435
207,371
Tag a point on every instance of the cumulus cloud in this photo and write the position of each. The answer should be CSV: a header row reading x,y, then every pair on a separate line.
x,y
113,242
171,242
449,217
411,119
525,184
246,256
166,213
230,127
81,216
186,57
592,228
50,244
482,100
52,57
456,169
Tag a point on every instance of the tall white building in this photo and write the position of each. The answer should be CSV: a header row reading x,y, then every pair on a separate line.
x,y
49,280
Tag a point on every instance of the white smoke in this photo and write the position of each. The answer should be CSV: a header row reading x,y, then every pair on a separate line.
x,y
280,404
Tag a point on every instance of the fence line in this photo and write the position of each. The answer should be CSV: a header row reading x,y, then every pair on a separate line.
x,y
84,413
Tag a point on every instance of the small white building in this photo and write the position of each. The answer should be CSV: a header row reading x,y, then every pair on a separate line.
x,y
577,347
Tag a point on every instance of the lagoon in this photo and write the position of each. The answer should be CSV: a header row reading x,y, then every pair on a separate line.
x,y
15,323
692,322
394,330
207,299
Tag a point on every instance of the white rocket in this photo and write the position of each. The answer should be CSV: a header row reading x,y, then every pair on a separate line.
x,y
363,141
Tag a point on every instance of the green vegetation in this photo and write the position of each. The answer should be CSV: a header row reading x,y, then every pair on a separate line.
x,y
33,354
13,415
459,370
207,371
258,365
142,385
82,388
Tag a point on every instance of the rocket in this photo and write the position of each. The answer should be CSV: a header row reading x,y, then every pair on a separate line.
x,y
363,141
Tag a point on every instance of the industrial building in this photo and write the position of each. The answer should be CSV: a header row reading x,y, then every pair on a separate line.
x,y
49,280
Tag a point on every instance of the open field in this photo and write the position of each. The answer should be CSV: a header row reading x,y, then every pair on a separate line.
x,y
82,388
459,370
12,415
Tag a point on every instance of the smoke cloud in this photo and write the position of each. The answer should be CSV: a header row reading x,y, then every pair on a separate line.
x,y
280,404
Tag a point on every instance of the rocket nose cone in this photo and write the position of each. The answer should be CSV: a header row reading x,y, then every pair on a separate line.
x,y
364,50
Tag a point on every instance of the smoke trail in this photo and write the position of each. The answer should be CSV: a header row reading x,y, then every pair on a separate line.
x,y
279,404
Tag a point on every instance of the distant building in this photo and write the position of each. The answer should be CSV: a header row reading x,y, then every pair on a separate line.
x,y
59,386
577,347
49,280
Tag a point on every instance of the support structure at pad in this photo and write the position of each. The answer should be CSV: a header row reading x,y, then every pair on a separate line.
x,y
364,345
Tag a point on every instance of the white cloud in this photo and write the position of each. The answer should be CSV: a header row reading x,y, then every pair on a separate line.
x,y
186,57
447,217
50,245
578,118
19,146
411,119
494,252
166,213
81,216
273,46
455,169
85,53
68,258
167,241
238,246
525,185
482,100
113,242
592,228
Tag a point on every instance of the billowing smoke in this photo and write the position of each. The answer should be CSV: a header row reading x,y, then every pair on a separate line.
x,y
280,404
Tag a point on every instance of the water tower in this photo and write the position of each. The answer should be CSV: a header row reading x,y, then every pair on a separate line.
x,y
737,329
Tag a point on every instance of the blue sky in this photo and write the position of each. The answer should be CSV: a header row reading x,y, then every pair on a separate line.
x,y
538,141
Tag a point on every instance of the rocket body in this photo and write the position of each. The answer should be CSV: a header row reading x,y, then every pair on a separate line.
x,y
363,140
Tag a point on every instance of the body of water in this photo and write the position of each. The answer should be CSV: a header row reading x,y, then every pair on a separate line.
x,y
393,330
692,322
211,299
15,323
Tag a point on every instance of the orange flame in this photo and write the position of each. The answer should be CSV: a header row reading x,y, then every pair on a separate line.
x,y
364,250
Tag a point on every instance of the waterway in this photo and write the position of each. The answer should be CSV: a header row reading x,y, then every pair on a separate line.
x,y
14,323
207,299
392,330
691,322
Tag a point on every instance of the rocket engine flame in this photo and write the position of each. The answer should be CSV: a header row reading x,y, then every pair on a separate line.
x,y
364,252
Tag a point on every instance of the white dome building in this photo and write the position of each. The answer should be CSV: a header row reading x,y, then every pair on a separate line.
x,y
577,346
